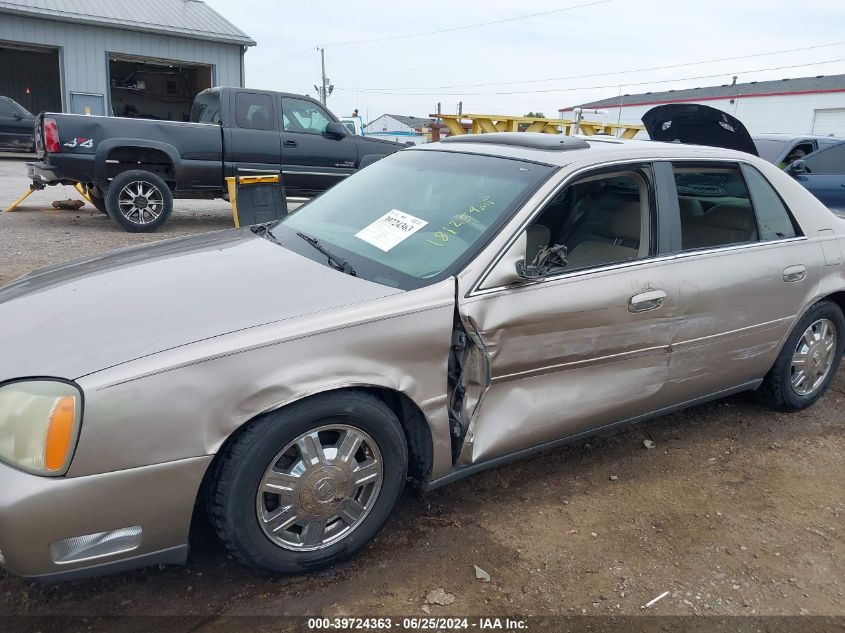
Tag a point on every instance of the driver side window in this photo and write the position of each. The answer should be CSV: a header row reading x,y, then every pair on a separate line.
x,y
299,115
599,220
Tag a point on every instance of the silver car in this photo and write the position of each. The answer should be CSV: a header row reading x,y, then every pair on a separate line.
x,y
448,309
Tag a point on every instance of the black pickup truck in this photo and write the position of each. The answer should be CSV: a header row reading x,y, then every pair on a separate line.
x,y
133,168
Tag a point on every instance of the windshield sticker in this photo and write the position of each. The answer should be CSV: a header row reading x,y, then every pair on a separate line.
x,y
441,237
390,229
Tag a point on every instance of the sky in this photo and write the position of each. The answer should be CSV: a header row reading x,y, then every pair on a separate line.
x,y
568,52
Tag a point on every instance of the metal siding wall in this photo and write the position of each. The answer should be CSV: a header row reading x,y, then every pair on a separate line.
x,y
787,114
83,50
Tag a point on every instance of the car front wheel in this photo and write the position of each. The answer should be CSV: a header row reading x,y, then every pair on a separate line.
x,y
309,485
808,362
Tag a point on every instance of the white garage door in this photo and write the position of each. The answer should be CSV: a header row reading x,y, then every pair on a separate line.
x,y
830,122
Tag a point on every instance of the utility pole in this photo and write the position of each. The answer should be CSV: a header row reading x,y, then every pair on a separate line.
x,y
326,88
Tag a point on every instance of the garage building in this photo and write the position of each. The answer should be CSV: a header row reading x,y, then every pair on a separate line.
x,y
805,105
116,57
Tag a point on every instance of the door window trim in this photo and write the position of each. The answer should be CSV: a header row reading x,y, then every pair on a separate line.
x,y
570,179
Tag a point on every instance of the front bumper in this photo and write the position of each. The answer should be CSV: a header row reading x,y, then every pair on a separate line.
x,y
39,512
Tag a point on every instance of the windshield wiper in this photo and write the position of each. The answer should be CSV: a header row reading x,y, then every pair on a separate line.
x,y
334,261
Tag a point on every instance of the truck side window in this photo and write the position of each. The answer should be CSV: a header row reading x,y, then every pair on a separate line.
x,y
253,111
299,115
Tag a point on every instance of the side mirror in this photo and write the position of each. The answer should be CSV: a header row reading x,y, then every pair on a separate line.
x,y
505,273
17,116
798,167
543,261
336,130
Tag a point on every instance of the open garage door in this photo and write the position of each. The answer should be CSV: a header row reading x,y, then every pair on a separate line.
x,y
830,122
30,76
154,89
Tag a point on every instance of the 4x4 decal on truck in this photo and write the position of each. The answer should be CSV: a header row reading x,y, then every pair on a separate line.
x,y
87,143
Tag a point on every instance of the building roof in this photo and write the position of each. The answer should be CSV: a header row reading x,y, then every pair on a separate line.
x,y
800,85
188,18
415,122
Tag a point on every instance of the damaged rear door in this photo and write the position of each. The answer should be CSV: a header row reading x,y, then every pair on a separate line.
x,y
585,346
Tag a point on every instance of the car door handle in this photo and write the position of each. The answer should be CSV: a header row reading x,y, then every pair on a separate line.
x,y
288,143
646,301
794,273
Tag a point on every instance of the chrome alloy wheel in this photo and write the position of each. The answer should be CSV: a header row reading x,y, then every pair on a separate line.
x,y
320,487
140,202
813,357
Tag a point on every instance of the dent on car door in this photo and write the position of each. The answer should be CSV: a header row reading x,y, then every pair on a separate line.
x,y
588,345
313,161
744,275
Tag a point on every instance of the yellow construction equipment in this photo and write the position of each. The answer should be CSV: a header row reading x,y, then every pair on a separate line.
x,y
482,123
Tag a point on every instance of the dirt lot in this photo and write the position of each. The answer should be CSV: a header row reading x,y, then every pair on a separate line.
x,y
736,511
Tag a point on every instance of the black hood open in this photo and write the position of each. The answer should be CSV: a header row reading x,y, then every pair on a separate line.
x,y
697,124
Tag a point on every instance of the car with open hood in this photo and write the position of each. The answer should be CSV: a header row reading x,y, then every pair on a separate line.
x,y
817,163
450,308
783,149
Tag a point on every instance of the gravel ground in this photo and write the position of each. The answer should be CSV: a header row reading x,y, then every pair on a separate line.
x,y
737,510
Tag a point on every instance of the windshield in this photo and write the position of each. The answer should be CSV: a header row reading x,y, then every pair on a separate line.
x,y
414,217
770,149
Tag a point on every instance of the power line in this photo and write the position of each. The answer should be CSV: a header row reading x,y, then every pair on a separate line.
x,y
276,63
616,72
471,26
615,85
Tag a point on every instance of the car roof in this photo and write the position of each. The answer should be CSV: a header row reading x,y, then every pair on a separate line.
x,y
595,148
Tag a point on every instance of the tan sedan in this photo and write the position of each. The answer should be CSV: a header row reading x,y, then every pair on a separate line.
x,y
447,309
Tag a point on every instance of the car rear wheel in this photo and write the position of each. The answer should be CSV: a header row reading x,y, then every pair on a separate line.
x,y
139,201
808,362
309,485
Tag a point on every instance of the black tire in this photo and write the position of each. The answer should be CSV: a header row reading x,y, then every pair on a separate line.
x,y
777,390
243,462
162,196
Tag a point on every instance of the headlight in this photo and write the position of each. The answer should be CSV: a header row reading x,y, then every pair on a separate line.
x,y
39,425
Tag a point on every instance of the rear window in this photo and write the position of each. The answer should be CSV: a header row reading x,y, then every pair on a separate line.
x,y
206,108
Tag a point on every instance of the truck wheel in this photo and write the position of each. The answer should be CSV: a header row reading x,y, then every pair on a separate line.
x,y
139,201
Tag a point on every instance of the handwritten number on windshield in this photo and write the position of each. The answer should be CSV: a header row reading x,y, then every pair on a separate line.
x,y
441,237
